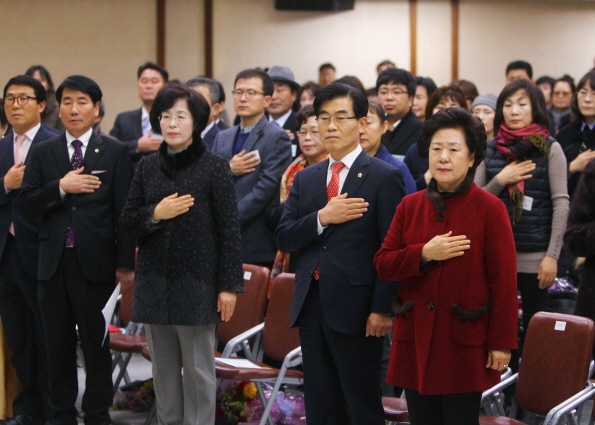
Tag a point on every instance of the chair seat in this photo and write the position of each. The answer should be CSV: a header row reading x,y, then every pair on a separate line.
x,y
127,343
245,374
395,409
497,420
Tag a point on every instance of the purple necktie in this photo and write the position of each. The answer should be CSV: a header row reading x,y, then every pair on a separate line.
x,y
77,162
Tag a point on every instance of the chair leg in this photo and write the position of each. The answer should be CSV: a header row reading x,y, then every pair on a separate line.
x,y
263,402
267,410
123,365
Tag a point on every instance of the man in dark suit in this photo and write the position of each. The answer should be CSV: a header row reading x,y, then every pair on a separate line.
x,y
133,127
258,152
396,90
341,306
280,109
25,99
78,183
209,89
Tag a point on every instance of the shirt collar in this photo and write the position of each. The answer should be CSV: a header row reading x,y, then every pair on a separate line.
x,y
396,124
249,128
84,138
584,124
207,129
144,114
282,119
348,159
31,133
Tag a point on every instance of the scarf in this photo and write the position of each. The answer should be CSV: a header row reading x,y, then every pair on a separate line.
x,y
516,146
438,198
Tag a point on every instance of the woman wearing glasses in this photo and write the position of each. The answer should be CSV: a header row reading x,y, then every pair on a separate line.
x,y
560,111
182,207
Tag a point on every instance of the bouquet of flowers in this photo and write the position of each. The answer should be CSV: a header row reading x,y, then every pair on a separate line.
x,y
138,396
232,401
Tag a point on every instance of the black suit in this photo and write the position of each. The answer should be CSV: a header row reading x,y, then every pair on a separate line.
x,y
209,138
401,138
75,283
18,289
341,365
128,128
292,125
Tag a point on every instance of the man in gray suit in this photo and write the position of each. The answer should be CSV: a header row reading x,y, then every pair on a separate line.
x,y
259,152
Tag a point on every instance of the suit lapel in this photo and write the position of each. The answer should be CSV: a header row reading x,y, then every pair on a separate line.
x,y
138,122
61,156
319,185
94,150
255,134
7,152
357,174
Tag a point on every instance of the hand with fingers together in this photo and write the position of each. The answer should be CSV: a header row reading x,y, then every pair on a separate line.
x,y
498,360
516,172
226,303
172,206
244,163
341,209
76,182
444,247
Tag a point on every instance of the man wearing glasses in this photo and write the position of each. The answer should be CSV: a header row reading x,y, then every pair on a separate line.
x,y
258,152
396,90
335,219
24,101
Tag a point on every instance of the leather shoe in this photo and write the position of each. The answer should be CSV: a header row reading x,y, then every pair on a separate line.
x,y
19,420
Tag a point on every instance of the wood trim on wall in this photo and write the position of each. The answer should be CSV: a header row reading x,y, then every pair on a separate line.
x,y
208,38
455,39
413,36
161,32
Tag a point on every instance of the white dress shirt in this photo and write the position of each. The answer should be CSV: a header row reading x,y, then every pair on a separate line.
x,y
281,120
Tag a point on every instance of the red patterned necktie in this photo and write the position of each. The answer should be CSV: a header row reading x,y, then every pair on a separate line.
x,y
332,190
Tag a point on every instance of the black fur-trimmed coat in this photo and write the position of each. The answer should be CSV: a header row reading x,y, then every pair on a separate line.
x,y
580,239
184,262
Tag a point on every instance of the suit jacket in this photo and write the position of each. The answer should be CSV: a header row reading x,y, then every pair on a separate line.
x,y
401,138
256,190
128,128
101,243
209,138
350,288
27,231
292,125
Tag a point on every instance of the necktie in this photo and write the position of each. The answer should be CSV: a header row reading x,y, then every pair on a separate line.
x,y
19,151
332,190
146,126
77,162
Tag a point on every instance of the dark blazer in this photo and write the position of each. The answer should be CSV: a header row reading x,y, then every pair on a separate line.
x,y
573,142
100,241
291,124
256,190
407,132
168,288
350,288
28,230
209,138
128,128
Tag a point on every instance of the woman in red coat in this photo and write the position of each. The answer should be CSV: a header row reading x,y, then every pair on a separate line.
x,y
452,248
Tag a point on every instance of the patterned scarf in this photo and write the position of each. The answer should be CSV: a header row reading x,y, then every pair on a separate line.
x,y
516,146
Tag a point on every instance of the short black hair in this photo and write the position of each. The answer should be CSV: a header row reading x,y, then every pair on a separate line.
x,y
520,65
397,76
460,119
325,66
566,79
268,87
377,108
154,66
25,80
80,83
197,105
303,115
469,89
538,107
588,80
428,83
44,73
390,64
445,92
546,79
338,90
353,81
211,84
221,92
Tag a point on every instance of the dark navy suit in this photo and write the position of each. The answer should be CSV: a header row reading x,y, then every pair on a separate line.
x,y
128,128
341,365
18,288
209,138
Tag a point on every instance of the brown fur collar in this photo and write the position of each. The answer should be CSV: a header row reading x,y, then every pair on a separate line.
x,y
470,315
399,307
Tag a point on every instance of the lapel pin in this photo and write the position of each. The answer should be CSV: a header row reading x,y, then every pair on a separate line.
x,y
359,175
96,150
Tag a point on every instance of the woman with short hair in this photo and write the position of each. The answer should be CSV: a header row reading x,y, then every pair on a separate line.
x,y
560,112
451,247
425,88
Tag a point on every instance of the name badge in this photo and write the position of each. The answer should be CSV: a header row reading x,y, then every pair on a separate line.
x,y
527,203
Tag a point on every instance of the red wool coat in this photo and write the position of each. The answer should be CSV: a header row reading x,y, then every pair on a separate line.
x,y
434,351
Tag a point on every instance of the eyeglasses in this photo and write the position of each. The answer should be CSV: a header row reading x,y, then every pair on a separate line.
x,y
166,119
584,93
22,100
339,119
396,92
248,93
562,93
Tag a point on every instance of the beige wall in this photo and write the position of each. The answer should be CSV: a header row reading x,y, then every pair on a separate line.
x,y
108,39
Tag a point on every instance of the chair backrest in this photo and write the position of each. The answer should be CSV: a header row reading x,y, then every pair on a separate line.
x,y
250,305
278,338
555,361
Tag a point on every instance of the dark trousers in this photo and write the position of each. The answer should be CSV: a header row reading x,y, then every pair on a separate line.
x,y
21,319
69,299
446,409
341,372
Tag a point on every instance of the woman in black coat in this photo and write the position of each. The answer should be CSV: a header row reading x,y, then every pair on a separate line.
x,y
182,206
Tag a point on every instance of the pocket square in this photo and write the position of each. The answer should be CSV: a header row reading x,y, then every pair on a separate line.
x,y
98,171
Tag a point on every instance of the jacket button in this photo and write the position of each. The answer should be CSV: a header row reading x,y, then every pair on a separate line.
x,y
73,208
324,249
430,305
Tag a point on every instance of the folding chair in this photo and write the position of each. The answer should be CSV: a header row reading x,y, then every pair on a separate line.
x,y
279,342
552,381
